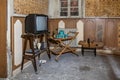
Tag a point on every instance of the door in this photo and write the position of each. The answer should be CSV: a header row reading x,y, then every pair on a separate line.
x,y
3,24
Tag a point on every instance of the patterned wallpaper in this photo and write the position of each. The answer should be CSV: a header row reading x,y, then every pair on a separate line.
x,y
93,8
30,6
102,8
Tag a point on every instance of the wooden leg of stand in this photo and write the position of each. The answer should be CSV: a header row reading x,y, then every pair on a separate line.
x,y
34,65
48,53
22,64
48,49
82,51
59,54
72,51
95,51
39,57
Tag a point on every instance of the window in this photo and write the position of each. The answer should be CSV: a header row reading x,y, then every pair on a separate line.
x,y
69,8
65,8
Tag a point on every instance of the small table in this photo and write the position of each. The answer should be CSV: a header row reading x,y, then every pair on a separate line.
x,y
91,46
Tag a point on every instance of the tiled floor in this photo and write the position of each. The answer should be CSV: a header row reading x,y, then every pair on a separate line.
x,y
71,67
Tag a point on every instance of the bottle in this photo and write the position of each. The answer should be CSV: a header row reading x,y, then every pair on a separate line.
x,y
53,34
88,41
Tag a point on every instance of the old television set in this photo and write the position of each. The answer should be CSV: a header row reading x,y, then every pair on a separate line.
x,y
36,23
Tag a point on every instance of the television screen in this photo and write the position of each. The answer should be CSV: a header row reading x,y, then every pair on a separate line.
x,y
41,23
36,23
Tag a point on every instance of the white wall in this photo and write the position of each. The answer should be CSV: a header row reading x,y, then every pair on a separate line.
x,y
53,10
10,13
9,56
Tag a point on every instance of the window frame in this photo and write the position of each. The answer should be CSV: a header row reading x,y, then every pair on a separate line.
x,y
69,7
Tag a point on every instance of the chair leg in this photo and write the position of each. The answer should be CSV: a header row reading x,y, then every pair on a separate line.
x,y
34,65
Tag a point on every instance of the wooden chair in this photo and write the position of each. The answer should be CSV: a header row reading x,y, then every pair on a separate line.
x,y
59,47
32,52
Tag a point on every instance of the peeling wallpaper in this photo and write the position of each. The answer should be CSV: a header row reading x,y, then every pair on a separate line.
x,y
102,8
92,8
30,6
